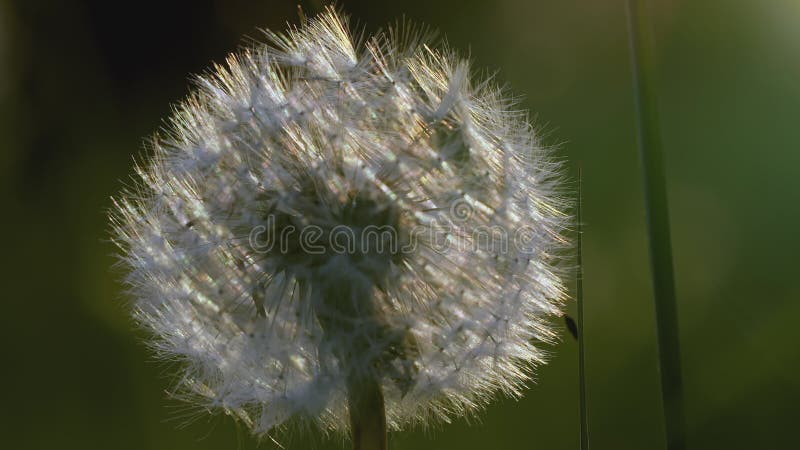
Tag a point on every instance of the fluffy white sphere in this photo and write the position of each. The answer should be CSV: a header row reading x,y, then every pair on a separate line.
x,y
322,211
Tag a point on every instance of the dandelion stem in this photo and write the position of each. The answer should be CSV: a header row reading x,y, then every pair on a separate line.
x,y
348,310
649,141
581,354
367,414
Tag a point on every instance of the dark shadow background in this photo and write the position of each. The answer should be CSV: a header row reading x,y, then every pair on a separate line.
x,y
83,82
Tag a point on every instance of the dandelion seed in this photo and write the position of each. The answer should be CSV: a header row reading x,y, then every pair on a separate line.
x,y
240,239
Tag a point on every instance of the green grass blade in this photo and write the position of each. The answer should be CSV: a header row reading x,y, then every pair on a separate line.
x,y
657,224
579,298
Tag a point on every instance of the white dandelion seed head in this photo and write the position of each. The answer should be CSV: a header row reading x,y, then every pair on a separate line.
x,y
316,132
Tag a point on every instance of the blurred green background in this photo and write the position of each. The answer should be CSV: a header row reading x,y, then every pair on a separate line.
x,y
83,82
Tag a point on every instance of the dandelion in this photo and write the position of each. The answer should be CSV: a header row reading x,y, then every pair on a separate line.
x,y
240,237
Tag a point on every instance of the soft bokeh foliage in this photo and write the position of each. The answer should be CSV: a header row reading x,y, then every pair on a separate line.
x,y
82,82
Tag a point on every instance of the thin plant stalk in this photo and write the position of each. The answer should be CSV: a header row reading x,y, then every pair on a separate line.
x,y
584,431
649,140
347,303
367,415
